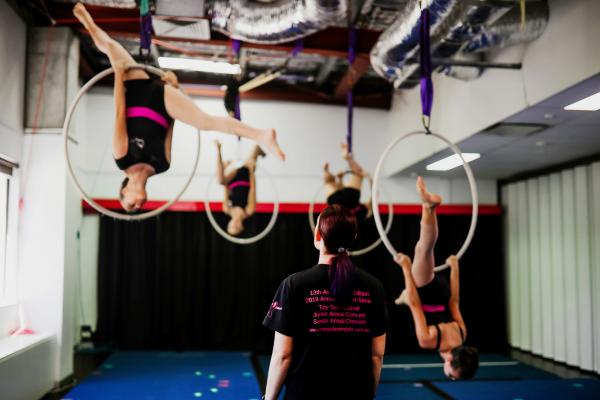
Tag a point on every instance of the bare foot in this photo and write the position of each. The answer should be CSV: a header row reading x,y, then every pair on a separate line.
x,y
345,152
430,199
402,299
269,140
81,13
326,168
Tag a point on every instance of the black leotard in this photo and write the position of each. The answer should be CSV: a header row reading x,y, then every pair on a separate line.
x,y
239,188
435,298
147,124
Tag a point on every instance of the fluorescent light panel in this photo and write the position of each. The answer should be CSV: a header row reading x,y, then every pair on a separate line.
x,y
591,103
452,161
192,64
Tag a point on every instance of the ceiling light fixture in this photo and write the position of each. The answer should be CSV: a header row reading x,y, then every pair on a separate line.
x,y
194,64
452,161
591,103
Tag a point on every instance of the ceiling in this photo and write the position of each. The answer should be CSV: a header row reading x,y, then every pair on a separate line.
x,y
314,75
561,137
321,72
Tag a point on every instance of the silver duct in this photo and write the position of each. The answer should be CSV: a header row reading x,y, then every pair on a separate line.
x,y
454,25
399,43
275,23
508,30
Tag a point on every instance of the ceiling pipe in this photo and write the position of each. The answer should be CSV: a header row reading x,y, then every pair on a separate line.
x,y
455,26
275,23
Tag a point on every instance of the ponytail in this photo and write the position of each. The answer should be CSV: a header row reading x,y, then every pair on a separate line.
x,y
338,228
341,272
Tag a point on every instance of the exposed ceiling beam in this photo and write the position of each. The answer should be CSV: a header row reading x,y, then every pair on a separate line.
x,y
294,94
355,71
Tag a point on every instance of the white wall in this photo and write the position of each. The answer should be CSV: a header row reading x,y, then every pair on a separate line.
x,y
564,55
553,265
47,247
12,61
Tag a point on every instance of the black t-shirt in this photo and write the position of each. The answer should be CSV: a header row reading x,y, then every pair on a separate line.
x,y
331,356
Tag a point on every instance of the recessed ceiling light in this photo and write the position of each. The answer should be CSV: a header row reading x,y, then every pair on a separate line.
x,y
452,161
194,64
540,143
591,103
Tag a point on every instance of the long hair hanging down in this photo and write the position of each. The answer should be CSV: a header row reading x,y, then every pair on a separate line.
x,y
338,228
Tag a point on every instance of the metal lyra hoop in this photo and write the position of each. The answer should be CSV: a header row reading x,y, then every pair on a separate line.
x,y
359,252
238,240
84,195
472,184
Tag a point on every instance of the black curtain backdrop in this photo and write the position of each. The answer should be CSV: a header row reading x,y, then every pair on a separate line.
x,y
172,283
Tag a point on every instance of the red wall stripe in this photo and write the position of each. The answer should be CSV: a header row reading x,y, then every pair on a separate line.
x,y
294,208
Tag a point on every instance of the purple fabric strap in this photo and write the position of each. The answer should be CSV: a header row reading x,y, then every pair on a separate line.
x,y
298,47
236,47
425,53
145,31
349,94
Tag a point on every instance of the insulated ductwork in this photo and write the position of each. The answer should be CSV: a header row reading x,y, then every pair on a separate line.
x,y
400,41
455,25
508,31
275,23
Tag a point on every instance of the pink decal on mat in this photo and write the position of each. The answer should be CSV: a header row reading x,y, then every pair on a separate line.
x,y
145,112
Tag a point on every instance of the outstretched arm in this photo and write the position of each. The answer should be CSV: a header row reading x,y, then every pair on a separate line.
x,y
454,303
279,365
251,206
425,336
120,139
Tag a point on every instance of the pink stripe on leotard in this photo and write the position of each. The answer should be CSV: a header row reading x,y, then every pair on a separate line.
x,y
433,308
145,112
355,209
238,183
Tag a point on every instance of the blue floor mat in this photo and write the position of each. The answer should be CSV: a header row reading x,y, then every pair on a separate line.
x,y
397,391
170,375
580,389
419,367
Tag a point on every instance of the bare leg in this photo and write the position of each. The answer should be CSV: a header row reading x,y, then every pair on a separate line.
x,y
115,52
331,185
424,262
182,108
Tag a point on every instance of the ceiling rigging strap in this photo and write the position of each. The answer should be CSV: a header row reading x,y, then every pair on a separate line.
x,y
145,30
425,61
349,94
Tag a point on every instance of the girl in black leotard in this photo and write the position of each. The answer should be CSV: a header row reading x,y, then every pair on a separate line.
x,y
145,112
433,303
240,189
347,193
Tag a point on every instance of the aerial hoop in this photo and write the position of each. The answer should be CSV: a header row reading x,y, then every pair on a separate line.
x,y
238,240
359,252
472,184
84,195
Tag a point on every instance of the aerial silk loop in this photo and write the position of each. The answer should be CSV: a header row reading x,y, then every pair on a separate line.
x,y
235,239
145,30
358,252
82,192
425,57
472,185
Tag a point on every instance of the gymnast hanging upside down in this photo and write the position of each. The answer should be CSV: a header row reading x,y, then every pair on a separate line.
x,y
347,194
433,303
240,189
145,112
